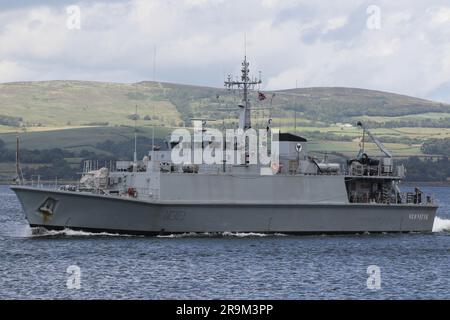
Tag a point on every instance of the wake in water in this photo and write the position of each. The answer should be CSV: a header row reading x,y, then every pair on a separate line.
x,y
44,233
441,225
41,232
223,234
252,234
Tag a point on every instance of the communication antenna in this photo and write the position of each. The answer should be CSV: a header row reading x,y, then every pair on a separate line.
x,y
153,131
135,136
295,107
19,174
154,63
269,122
295,121
246,84
153,109
245,44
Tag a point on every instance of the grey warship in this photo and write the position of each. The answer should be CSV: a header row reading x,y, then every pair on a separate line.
x,y
155,196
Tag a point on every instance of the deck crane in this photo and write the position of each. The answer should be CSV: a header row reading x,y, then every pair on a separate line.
x,y
374,139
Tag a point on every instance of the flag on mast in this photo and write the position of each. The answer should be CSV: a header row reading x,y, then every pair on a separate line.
x,y
261,96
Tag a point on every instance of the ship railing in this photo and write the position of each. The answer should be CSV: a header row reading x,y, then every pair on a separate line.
x,y
37,182
94,165
379,170
418,198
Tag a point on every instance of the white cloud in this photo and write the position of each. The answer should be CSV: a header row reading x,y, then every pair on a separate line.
x,y
203,3
322,43
11,71
335,23
440,16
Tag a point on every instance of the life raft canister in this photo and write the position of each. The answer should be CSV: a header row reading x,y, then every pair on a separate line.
x,y
275,167
132,192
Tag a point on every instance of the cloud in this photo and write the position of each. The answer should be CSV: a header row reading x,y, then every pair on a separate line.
x,y
324,43
12,71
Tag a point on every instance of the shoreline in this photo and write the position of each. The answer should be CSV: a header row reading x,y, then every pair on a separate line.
x,y
425,184
445,184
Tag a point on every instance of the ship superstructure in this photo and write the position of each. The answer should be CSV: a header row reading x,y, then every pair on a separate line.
x,y
301,195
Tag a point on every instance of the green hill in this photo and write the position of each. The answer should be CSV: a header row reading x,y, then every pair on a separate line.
x,y
78,103
64,122
95,112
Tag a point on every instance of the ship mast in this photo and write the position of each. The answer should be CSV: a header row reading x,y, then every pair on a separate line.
x,y
246,84
135,137
19,174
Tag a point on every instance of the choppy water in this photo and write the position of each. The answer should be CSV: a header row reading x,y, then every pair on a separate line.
x,y
231,266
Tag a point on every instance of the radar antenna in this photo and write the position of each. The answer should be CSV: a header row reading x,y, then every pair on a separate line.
x,y
246,84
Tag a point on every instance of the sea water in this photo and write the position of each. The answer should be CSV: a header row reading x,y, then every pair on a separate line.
x,y
78,265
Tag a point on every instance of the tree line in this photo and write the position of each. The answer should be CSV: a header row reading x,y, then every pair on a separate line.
x,y
437,146
54,161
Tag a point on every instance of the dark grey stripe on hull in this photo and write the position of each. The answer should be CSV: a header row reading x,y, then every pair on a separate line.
x,y
163,233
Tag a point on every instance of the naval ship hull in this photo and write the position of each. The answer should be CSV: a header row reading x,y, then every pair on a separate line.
x,y
56,210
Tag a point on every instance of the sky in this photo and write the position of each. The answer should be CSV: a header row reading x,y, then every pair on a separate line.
x,y
398,46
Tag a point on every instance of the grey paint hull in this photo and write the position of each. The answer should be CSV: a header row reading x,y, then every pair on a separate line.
x,y
122,215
